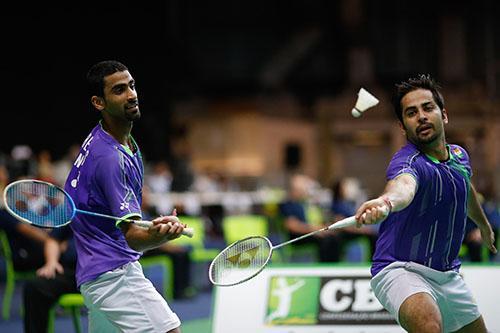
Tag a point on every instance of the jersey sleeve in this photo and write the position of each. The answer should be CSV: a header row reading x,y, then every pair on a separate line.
x,y
114,183
401,163
463,160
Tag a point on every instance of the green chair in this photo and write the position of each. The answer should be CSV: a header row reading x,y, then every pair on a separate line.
x,y
12,276
236,227
167,266
72,303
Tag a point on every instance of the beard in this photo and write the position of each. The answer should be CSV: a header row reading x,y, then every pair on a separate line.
x,y
133,115
427,139
419,139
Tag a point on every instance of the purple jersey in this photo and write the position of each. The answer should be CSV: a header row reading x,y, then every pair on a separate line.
x,y
431,229
106,178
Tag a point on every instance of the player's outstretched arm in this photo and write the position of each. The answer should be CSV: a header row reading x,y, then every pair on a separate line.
x,y
476,214
397,195
164,228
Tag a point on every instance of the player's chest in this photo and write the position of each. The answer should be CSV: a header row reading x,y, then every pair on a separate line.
x,y
443,184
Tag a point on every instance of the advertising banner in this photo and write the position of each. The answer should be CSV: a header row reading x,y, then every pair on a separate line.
x,y
326,299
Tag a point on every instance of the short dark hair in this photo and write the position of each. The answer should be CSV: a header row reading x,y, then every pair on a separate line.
x,y
422,81
97,73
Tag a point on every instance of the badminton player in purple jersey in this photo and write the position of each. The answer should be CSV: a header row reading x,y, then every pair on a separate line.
x,y
429,195
107,177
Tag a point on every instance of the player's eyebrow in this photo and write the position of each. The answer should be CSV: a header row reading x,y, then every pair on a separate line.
x,y
411,107
119,86
424,104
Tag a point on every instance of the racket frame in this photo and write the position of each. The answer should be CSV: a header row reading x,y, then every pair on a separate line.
x,y
347,222
22,219
145,224
270,254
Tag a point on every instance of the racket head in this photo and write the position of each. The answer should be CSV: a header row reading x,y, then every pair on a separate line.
x,y
39,203
240,261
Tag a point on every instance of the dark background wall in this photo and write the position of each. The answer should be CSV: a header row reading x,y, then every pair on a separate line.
x,y
190,49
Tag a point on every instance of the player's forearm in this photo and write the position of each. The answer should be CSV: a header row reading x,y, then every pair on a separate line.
x,y
474,209
400,192
140,240
164,229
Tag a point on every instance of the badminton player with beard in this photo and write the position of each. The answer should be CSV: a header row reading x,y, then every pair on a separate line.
x,y
107,177
429,195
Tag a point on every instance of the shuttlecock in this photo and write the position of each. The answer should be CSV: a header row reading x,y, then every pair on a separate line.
x,y
364,102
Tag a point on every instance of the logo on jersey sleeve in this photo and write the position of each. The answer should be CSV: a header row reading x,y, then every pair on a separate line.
x,y
458,152
124,205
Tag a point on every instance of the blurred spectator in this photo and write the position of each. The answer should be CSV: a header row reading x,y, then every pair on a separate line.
x,y
206,181
44,167
63,165
159,179
472,239
55,278
4,178
180,163
179,254
26,241
21,163
346,193
300,218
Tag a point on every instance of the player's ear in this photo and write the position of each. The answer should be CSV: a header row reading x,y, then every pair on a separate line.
x,y
444,114
98,102
402,127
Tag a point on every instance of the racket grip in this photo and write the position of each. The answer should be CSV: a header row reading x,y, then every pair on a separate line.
x,y
189,232
347,222
351,221
144,224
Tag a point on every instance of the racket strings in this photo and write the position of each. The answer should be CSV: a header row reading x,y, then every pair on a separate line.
x,y
240,261
40,203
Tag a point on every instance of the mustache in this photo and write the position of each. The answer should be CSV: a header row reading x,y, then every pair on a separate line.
x,y
424,127
132,104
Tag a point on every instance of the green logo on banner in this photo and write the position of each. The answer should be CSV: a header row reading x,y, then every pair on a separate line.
x,y
323,300
290,301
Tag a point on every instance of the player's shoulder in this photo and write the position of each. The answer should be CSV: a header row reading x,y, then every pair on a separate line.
x,y
408,153
103,147
459,153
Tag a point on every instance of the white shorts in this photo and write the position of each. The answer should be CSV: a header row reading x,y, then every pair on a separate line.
x,y
396,282
124,300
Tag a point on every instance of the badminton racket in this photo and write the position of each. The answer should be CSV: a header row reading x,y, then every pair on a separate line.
x,y
47,205
244,259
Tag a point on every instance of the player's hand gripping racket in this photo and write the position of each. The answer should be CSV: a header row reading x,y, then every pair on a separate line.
x,y
49,206
244,259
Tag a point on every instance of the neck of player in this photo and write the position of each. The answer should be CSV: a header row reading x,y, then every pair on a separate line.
x,y
436,149
118,130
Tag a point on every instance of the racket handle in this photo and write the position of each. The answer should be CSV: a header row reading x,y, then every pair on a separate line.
x,y
351,221
144,224
347,222
189,232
